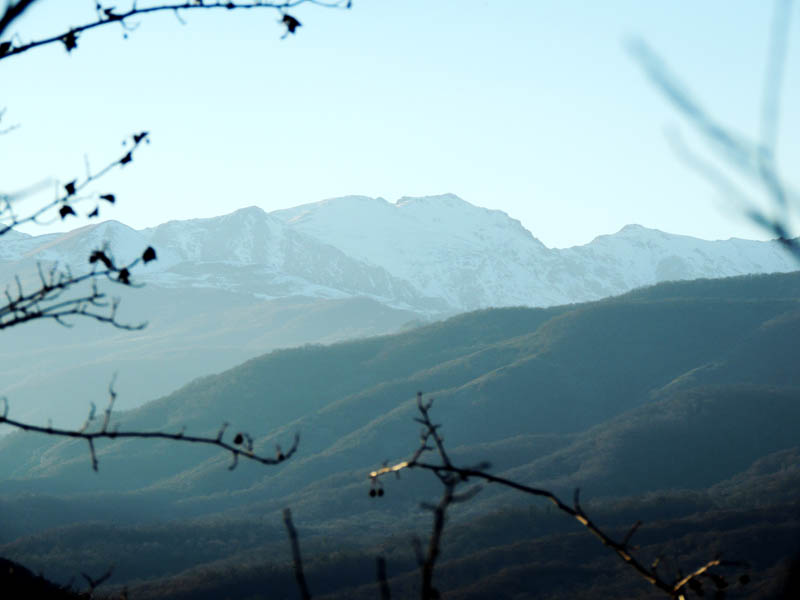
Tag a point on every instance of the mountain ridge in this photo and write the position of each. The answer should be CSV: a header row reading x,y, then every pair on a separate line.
x,y
435,255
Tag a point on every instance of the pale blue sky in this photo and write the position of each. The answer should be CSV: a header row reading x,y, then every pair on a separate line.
x,y
531,107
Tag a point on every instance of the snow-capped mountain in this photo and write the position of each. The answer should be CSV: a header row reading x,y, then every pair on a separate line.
x,y
447,248
252,251
474,257
636,256
247,251
230,288
433,255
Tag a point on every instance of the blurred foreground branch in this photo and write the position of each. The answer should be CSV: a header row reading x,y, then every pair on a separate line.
x,y
70,195
754,159
48,300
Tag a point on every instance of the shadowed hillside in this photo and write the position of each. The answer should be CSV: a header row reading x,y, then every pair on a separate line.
x,y
683,388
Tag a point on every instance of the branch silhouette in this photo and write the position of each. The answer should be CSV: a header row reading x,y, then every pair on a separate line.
x,y
452,476
241,445
70,195
48,301
297,559
8,129
93,583
383,583
12,12
109,15
60,295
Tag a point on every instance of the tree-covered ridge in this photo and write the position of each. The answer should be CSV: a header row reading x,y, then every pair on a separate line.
x,y
683,386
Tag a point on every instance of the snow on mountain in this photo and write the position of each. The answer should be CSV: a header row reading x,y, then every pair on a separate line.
x,y
21,257
251,251
636,256
229,288
14,244
73,248
447,248
474,257
433,255
245,237
247,251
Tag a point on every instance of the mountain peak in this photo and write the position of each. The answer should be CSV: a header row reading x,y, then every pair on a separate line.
x,y
636,228
249,210
631,231
243,216
355,201
338,207
449,200
426,251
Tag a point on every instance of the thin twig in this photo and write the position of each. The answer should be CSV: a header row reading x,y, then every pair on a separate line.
x,y
47,301
71,192
297,559
451,476
753,159
770,107
108,16
237,447
12,12
95,583
383,583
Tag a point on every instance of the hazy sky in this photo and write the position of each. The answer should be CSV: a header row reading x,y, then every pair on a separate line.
x,y
532,107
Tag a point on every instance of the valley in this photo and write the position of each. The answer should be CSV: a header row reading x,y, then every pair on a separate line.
x,y
675,404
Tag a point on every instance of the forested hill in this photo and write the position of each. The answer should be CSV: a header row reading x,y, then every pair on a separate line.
x,y
227,289
681,386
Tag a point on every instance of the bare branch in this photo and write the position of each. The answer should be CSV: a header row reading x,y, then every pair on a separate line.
x,y
107,16
753,159
383,583
95,583
48,301
779,41
12,12
630,533
451,476
297,559
234,447
69,197
429,592
734,148
8,129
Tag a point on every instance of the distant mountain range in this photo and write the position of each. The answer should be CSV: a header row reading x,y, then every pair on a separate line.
x,y
434,255
229,288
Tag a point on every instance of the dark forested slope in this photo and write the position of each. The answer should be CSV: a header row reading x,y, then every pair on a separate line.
x,y
682,386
